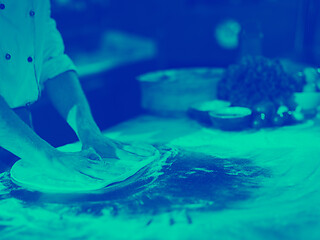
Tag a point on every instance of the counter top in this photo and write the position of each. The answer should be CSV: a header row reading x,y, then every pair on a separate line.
x,y
231,185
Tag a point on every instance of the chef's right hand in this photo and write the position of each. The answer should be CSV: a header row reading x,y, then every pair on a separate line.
x,y
83,164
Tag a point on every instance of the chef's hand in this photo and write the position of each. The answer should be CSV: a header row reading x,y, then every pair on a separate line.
x,y
108,148
103,146
86,163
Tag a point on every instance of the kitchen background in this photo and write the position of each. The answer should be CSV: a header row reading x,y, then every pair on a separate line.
x,y
114,41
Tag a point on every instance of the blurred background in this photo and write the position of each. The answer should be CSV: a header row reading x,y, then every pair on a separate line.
x,y
114,41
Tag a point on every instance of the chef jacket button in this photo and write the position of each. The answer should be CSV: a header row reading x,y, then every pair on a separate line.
x,y
8,56
30,59
32,13
2,6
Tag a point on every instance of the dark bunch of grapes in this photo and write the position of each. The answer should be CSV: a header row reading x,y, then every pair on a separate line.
x,y
255,80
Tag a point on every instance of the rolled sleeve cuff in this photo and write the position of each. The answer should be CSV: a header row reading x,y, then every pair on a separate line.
x,y
56,66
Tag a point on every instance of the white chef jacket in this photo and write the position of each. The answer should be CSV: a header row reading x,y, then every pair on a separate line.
x,y
31,50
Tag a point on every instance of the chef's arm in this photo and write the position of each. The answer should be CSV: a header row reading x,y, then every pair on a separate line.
x,y
68,98
18,138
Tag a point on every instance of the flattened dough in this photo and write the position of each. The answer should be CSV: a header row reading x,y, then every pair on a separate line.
x,y
34,178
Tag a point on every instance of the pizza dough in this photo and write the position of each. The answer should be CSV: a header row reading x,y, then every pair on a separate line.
x,y
36,178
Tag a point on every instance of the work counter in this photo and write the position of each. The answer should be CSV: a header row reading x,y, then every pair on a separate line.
x,y
223,185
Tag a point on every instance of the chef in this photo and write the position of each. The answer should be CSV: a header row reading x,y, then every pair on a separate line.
x,y
32,59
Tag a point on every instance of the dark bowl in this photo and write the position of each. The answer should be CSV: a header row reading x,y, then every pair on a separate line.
x,y
231,118
200,111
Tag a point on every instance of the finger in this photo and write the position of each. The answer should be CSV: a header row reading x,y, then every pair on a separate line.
x,y
111,143
89,150
140,150
92,154
114,143
102,166
106,151
96,171
90,175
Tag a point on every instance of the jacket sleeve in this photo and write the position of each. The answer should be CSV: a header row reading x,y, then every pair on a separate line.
x,y
55,61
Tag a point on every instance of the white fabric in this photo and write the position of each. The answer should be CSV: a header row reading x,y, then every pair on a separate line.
x,y
23,36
